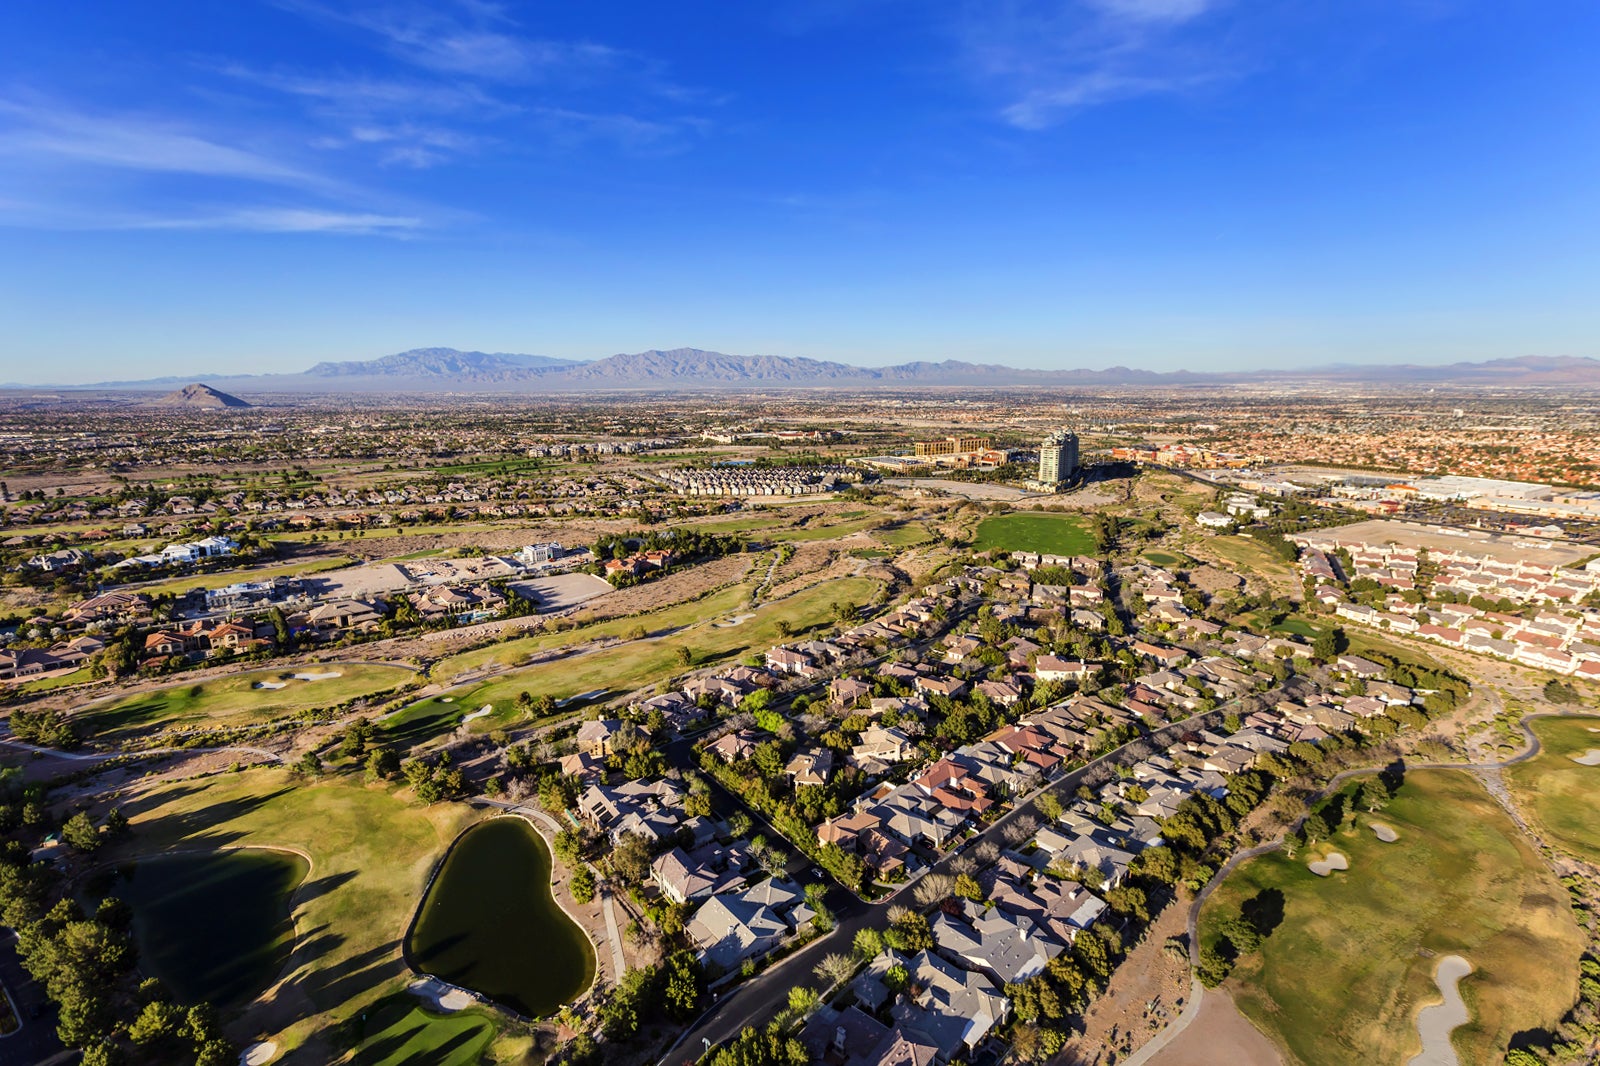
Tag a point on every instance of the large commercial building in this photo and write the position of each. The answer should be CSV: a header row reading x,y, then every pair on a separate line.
x,y
952,446
1058,458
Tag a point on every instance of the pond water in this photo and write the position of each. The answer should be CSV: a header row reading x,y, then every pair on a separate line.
x,y
213,926
490,923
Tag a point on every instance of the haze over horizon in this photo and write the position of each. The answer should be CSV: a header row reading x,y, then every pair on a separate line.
x,y
1162,184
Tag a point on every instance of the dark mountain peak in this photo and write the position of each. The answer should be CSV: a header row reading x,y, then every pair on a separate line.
x,y
198,395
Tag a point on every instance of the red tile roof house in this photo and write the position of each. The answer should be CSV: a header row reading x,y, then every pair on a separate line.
x,y
953,788
1167,656
1036,747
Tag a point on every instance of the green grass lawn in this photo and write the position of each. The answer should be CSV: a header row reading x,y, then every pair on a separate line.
x,y
1341,979
399,1032
630,665
236,700
1559,793
1050,534
371,849
907,536
1162,558
45,684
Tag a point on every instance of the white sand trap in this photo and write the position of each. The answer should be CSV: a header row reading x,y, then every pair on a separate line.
x,y
735,620
1588,758
440,996
258,1054
447,699
318,677
1435,1023
1384,833
1334,861
1592,729
483,712
271,684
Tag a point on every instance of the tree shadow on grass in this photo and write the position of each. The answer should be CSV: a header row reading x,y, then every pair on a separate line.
x,y
1264,910
321,886
186,826
136,805
386,1045
328,987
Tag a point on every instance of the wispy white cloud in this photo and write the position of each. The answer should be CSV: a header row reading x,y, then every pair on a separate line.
x,y
42,130
1052,58
477,40
362,94
50,147
1171,11
285,220
467,65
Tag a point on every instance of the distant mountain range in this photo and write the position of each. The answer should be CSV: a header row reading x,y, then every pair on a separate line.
x,y
446,370
443,363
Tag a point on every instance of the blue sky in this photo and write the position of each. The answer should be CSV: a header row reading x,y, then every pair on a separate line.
x,y
257,186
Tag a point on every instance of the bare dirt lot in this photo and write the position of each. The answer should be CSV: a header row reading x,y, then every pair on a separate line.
x,y
1145,993
560,591
1220,1036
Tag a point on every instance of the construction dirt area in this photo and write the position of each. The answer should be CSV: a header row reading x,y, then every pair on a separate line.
x,y
1219,1036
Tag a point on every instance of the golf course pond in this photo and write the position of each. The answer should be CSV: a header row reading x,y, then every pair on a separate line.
x,y
213,926
491,924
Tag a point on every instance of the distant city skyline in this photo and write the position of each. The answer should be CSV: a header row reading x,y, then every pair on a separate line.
x,y
1161,184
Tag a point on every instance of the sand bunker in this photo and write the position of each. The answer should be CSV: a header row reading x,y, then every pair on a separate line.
x,y
1384,833
258,1054
1435,1023
1588,758
317,677
735,620
1334,861
447,699
483,712
440,996
272,684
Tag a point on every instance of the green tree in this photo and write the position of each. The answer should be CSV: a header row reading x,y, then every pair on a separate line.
x,y
356,736
684,984
159,1023
630,860
582,885
382,764
80,832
